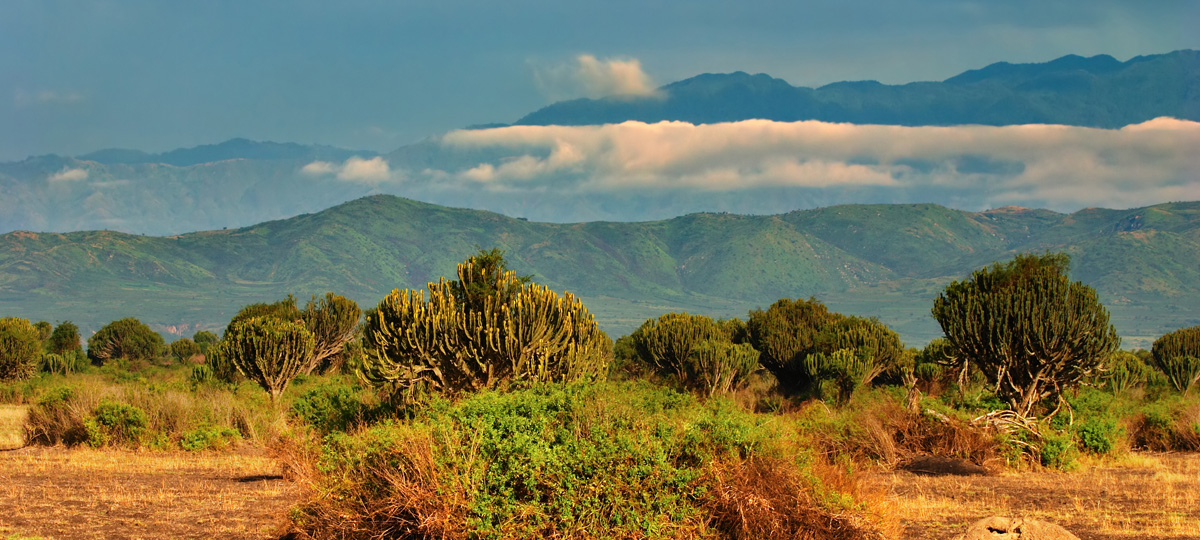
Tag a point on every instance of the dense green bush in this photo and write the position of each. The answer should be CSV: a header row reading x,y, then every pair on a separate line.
x,y
696,351
205,340
1058,451
114,423
64,364
125,338
208,438
330,407
20,349
599,460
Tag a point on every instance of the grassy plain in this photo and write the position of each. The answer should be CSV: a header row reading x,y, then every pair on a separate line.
x,y
1141,496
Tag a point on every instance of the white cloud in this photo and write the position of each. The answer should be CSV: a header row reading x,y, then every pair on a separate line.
x,y
1140,164
68,175
318,168
591,77
355,169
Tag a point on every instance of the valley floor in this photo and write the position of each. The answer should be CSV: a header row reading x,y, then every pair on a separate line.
x,y
1145,496
57,493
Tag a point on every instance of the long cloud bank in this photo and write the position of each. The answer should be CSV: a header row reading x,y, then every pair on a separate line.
x,y
1062,166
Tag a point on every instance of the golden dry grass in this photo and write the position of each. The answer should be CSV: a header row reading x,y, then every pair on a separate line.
x,y
1144,496
84,493
12,422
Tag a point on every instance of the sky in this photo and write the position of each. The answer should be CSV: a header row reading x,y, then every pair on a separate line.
x,y
85,75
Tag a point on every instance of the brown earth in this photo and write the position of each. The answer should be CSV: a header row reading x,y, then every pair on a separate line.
x,y
1141,496
57,493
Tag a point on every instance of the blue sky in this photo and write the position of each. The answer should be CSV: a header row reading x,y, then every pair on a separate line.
x,y
79,76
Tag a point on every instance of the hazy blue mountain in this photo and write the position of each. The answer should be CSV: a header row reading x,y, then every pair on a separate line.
x,y
231,149
1098,92
888,261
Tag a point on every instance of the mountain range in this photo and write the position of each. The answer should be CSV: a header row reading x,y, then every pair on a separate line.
x,y
1098,91
239,182
888,261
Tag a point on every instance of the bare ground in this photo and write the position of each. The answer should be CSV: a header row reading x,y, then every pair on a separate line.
x,y
83,493
1142,496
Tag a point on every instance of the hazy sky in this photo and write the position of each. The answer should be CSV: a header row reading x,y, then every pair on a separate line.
x,y
84,75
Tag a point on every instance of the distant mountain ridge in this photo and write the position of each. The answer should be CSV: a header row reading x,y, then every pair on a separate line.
x,y
888,261
1098,91
238,148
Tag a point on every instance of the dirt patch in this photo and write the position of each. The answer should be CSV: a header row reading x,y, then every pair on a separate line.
x,y
1146,496
58,493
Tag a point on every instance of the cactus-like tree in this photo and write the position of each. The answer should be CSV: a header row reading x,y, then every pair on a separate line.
x,y
487,328
1177,355
331,319
1031,330
785,334
20,349
667,342
720,365
267,350
183,349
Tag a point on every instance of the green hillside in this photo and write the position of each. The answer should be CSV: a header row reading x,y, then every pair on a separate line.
x,y
883,260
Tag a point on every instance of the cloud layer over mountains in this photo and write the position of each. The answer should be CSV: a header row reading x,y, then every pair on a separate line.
x,y
1063,167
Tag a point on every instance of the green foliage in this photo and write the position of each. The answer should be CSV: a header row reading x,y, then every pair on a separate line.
x,y
1100,435
457,340
64,339
333,321
208,438
266,350
331,407
205,339
201,374
1032,331
20,349
183,349
1177,355
1058,451
115,423
125,338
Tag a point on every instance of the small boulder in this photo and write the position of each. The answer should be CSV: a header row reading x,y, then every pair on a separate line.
x,y
1002,528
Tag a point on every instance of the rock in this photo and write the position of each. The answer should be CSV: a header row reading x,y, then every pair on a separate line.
x,y
1001,528
942,466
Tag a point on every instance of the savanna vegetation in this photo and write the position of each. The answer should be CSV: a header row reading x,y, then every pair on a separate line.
x,y
488,406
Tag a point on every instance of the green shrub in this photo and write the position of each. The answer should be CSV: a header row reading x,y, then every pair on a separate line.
x,y
114,423
330,407
1100,435
65,339
1177,355
208,438
1058,451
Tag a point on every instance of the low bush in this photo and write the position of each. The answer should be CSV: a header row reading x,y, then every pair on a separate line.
x,y
117,424
1058,451
209,438
598,461
330,407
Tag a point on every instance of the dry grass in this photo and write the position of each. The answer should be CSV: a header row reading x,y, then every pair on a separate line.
x,y
12,420
57,493
1145,496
